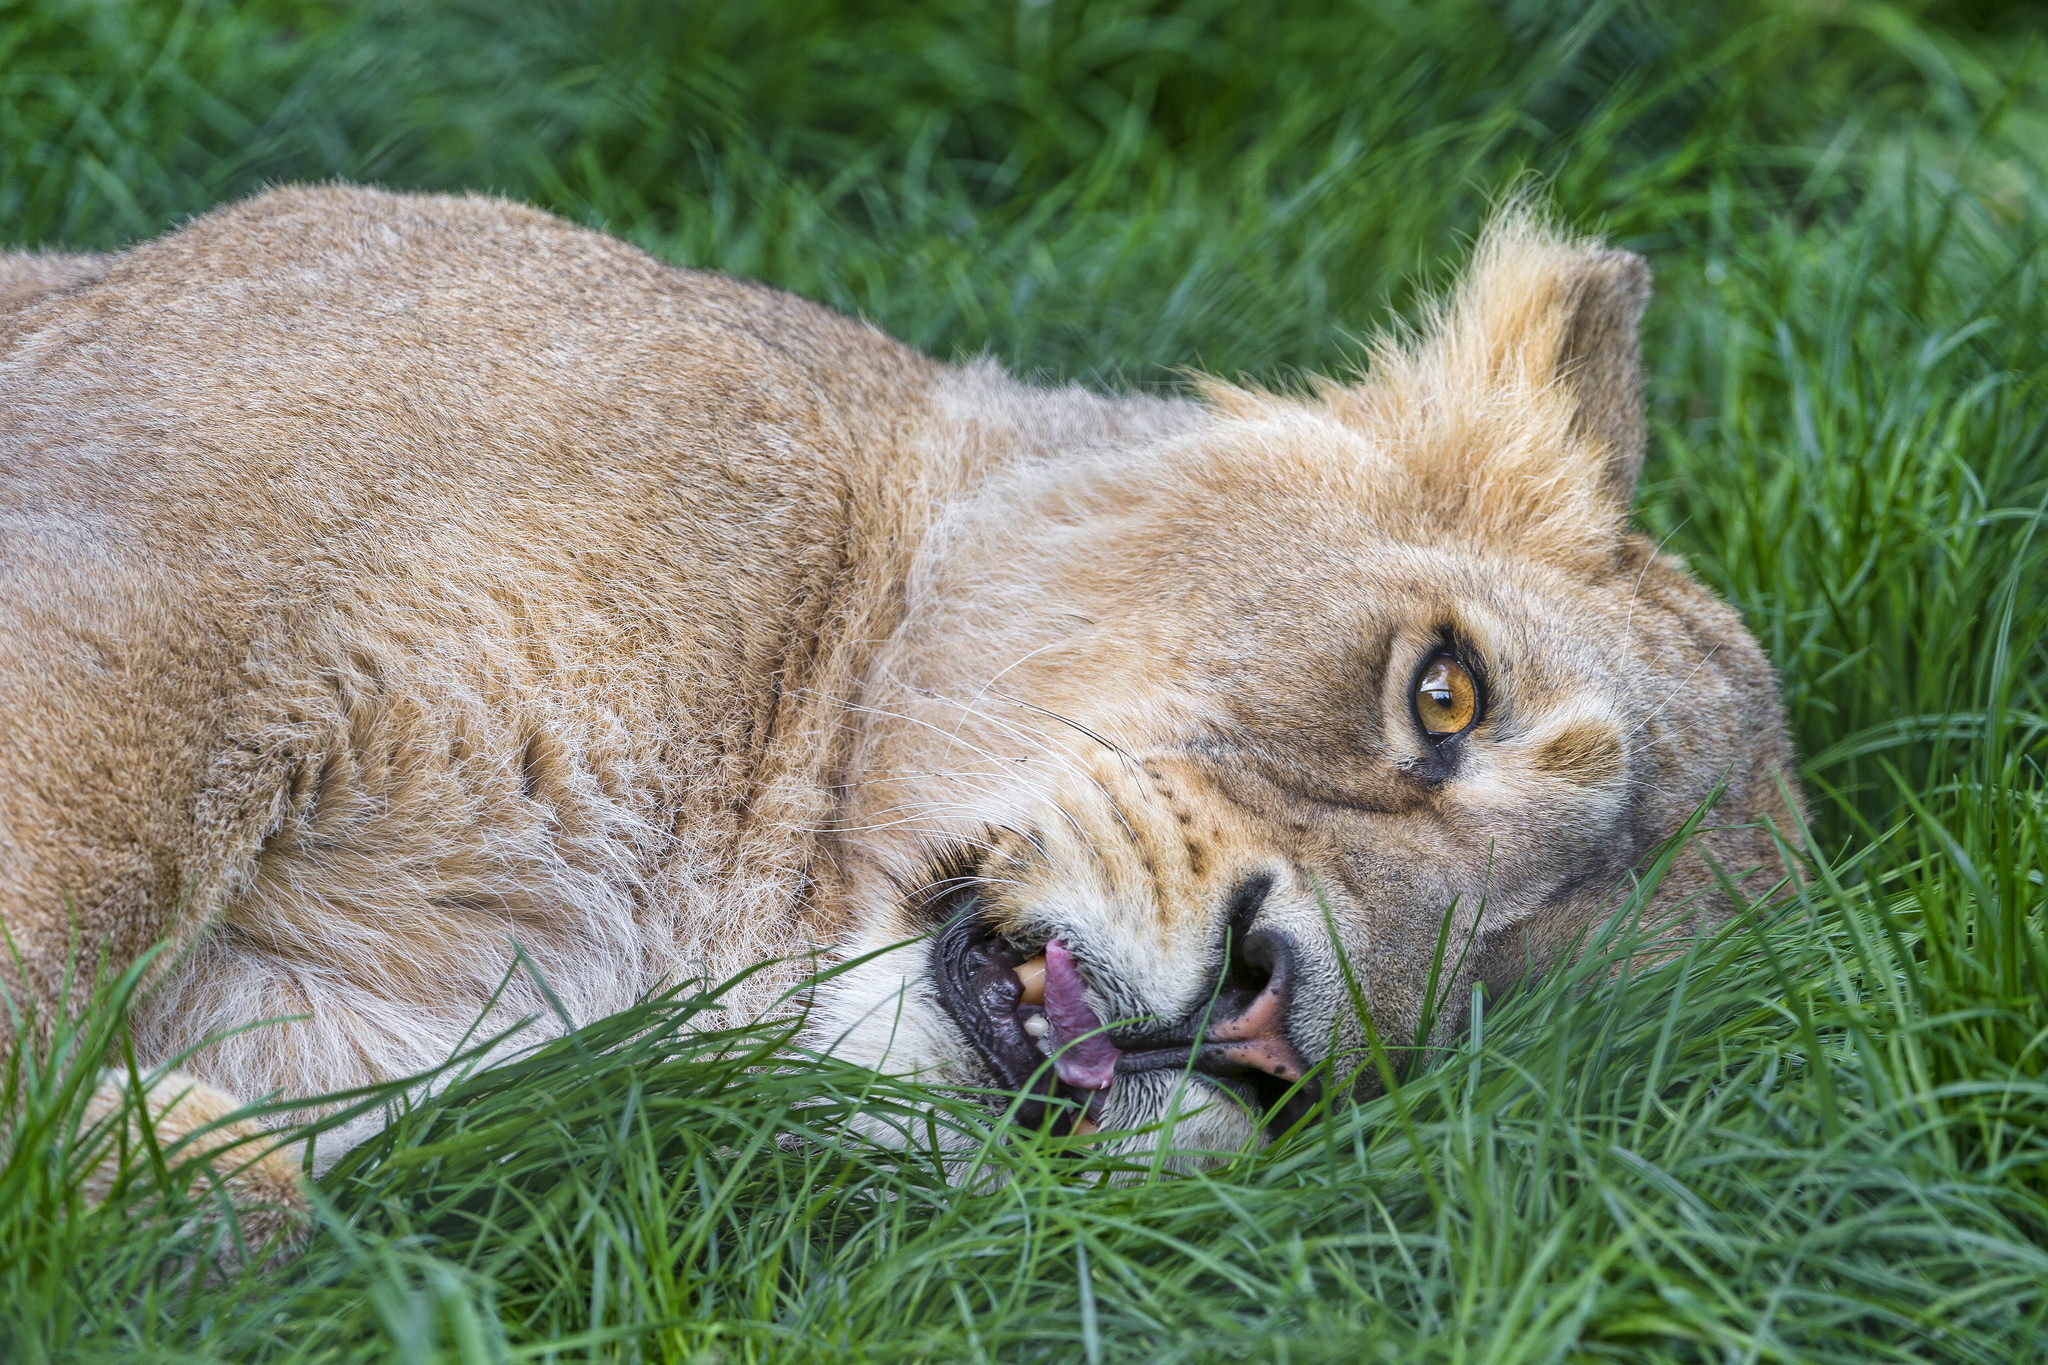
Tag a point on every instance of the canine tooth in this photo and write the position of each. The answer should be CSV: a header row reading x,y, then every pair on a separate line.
x,y
1037,1026
1032,975
1084,1126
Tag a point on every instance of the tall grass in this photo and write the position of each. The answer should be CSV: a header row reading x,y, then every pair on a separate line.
x,y
1822,1135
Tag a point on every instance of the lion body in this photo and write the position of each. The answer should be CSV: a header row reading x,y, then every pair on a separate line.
x,y
388,580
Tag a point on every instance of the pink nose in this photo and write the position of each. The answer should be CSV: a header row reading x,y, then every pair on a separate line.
x,y
1257,1038
1256,1035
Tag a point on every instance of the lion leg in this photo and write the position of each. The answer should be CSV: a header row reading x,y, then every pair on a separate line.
x,y
256,1168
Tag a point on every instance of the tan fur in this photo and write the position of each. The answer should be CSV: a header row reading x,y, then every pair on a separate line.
x,y
190,1119
27,275
389,578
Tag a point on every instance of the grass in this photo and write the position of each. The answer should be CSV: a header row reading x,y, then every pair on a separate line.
x,y
1821,1136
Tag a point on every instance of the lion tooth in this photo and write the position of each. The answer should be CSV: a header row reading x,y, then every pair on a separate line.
x,y
1037,1025
1032,975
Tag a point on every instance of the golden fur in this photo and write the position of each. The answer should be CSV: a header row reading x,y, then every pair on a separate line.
x,y
384,579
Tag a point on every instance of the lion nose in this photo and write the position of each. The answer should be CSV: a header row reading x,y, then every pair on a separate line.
x,y
1248,1022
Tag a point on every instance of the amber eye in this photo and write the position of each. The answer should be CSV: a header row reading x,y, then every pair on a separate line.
x,y
1445,698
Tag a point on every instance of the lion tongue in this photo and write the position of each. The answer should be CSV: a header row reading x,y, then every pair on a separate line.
x,y
1085,1059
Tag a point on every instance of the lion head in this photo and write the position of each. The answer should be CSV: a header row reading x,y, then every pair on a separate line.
x,y
1185,745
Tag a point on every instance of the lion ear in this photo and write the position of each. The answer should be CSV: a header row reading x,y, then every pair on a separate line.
x,y
1600,359
1528,378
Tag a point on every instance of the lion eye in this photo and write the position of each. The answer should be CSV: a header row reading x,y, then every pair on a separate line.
x,y
1445,698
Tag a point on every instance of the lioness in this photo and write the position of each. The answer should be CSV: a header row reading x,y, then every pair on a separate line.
x,y
388,579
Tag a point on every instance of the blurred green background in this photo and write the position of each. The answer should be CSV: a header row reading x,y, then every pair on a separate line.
x,y
1105,188
1822,1137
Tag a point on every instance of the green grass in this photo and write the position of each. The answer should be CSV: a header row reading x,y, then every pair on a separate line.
x,y
1822,1136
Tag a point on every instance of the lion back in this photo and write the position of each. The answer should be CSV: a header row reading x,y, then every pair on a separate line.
x,y
384,576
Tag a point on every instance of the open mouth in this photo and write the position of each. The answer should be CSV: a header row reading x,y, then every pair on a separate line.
x,y
1039,1038
978,981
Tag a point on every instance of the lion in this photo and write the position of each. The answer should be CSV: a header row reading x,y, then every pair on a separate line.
x,y
390,580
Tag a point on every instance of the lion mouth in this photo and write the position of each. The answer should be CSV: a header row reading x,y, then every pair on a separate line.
x,y
1045,1043
1053,1052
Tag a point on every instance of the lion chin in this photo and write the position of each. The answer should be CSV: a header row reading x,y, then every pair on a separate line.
x,y
385,580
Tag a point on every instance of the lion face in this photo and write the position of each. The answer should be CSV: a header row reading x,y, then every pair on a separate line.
x,y
1188,750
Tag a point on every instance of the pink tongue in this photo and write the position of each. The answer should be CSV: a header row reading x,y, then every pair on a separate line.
x,y
1084,1062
